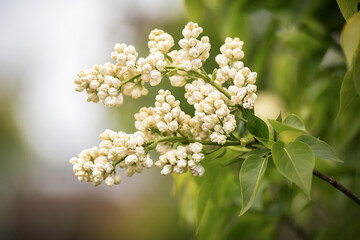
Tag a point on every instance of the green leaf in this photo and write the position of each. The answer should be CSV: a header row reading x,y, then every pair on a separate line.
x,y
348,94
251,173
194,9
348,7
350,39
294,121
296,163
257,151
213,155
206,188
279,119
239,149
172,73
321,149
290,123
356,73
257,127
179,181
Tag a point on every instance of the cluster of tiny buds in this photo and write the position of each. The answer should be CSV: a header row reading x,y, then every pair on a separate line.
x,y
244,88
229,60
181,159
125,57
193,51
126,148
212,115
100,84
92,165
160,41
165,118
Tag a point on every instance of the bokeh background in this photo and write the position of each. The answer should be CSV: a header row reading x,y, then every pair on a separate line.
x,y
293,45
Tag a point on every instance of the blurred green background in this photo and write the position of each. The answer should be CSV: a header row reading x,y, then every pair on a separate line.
x,y
295,48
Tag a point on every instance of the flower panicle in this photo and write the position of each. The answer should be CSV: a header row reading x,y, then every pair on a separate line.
x,y
178,137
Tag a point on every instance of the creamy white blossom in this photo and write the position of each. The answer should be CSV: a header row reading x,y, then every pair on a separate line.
x,y
212,114
181,159
193,52
151,68
127,148
243,90
100,83
92,165
160,41
165,118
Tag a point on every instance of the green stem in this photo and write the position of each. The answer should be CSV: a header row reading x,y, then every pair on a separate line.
x,y
130,80
243,119
178,131
186,140
117,162
204,76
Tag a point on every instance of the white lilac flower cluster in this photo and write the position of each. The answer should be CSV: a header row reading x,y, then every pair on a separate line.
x,y
128,75
92,165
160,41
97,164
100,84
181,159
212,116
166,118
129,147
193,51
243,92
178,79
241,79
175,135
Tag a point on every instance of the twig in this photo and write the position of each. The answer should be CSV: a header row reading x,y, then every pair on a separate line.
x,y
337,185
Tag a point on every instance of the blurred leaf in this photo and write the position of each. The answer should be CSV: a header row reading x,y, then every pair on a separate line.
x,y
233,23
348,7
187,203
350,39
356,73
194,9
321,149
179,181
251,173
212,174
291,123
348,94
206,188
296,163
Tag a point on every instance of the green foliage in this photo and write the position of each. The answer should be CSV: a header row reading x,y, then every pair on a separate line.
x,y
348,7
251,174
294,48
356,72
351,44
350,39
257,127
321,149
348,95
295,162
290,123
194,9
206,188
